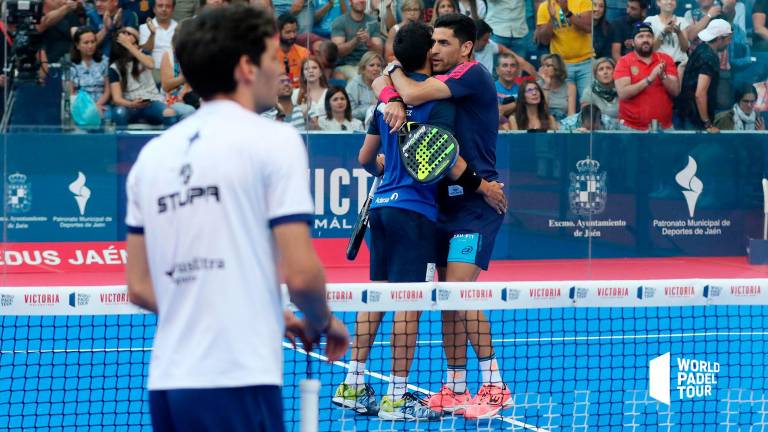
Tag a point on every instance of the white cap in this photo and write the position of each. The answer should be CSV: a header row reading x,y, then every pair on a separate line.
x,y
715,28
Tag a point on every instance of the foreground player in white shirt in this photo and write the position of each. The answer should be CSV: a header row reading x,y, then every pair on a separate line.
x,y
213,204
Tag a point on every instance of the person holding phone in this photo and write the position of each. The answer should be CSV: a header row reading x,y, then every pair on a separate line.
x,y
354,33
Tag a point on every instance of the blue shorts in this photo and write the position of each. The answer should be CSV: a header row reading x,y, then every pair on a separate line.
x,y
402,246
235,409
466,232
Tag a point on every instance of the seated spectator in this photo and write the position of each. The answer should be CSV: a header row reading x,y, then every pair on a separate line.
x,y
559,92
589,119
602,94
566,27
485,49
532,114
465,8
57,26
601,31
108,19
88,71
670,32
326,11
311,92
173,83
508,84
443,7
156,34
698,97
290,53
355,33
286,111
622,41
338,111
646,81
134,92
359,89
411,11
743,116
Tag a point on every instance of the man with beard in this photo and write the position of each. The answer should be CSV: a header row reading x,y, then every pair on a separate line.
x,y
467,227
289,53
698,97
646,82
623,29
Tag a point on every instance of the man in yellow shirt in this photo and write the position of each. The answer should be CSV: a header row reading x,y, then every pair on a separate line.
x,y
566,27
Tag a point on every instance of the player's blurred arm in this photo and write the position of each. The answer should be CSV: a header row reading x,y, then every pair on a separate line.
x,y
140,289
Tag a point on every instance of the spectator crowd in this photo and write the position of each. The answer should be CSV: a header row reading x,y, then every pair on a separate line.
x,y
558,64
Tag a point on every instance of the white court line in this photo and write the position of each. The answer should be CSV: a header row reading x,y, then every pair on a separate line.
x,y
410,386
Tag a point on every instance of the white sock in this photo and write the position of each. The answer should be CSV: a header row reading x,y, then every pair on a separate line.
x,y
397,387
356,375
490,371
456,379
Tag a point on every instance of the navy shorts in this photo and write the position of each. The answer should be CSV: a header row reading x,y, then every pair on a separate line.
x,y
236,409
466,232
402,246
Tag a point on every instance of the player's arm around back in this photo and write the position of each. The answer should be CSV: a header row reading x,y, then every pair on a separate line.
x,y
417,93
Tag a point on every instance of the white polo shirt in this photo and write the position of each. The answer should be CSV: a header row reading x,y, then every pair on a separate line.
x,y
163,39
206,194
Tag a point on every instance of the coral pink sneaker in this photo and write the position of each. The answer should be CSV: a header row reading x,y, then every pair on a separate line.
x,y
446,400
489,401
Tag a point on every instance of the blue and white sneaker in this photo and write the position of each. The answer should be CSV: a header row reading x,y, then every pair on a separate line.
x,y
412,406
362,400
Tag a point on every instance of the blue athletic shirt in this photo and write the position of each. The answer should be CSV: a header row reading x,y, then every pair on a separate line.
x,y
477,115
397,187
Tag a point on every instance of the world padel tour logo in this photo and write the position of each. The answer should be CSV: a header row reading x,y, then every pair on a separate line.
x,y
79,299
695,378
6,300
371,296
510,294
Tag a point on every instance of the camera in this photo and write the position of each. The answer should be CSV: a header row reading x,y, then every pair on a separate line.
x,y
24,15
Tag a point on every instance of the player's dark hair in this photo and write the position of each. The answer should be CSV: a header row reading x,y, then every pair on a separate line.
x,y
412,44
464,28
482,28
285,19
211,44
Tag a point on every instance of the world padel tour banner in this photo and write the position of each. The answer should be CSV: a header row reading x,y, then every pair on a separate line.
x,y
618,195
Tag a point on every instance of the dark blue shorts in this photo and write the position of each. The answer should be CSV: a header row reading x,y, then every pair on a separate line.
x,y
466,232
402,246
236,409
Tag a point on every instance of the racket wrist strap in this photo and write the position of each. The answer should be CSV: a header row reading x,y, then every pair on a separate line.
x,y
389,94
469,180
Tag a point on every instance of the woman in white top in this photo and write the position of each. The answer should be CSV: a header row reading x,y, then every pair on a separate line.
x,y
669,31
173,83
411,11
311,92
339,113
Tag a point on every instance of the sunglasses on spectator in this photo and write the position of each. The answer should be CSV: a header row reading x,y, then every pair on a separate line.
x,y
285,81
531,90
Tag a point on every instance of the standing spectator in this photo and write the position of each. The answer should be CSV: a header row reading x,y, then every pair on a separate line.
x,y
698,98
134,91
285,110
338,115
173,83
601,31
443,7
646,81
481,9
297,8
157,33
144,9
624,28
57,26
311,92
532,114
559,92
743,116
290,54
411,11
354,34
326,11
88,71
670,31
508,84
183,9
615,9
359,90
602,94
566,26
486,50
510,29
760,39
108,19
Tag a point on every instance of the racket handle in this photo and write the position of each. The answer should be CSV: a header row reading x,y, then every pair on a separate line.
x,y
310,404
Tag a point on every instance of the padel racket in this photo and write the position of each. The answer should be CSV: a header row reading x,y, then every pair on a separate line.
x,y
358,232
428,152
